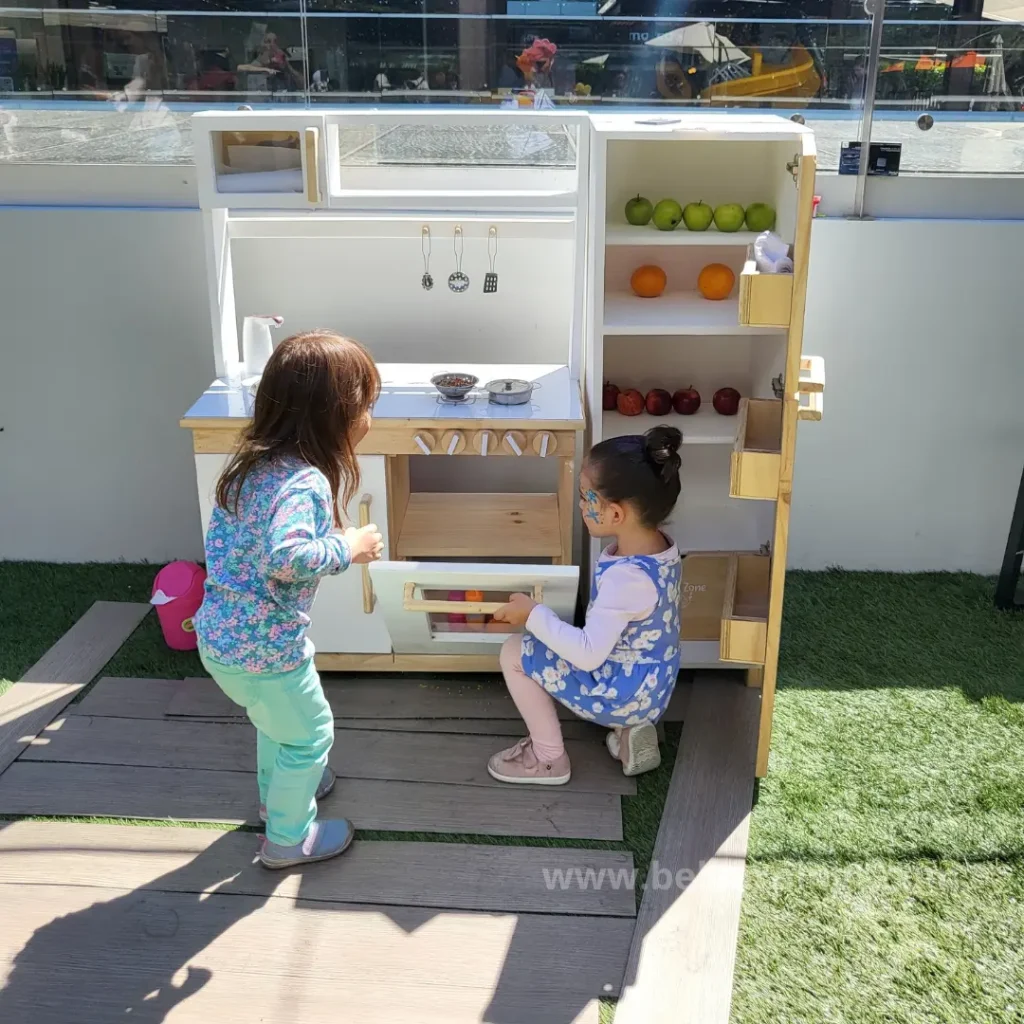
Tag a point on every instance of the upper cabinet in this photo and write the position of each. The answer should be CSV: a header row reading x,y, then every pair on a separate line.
x,y
260,160
406,159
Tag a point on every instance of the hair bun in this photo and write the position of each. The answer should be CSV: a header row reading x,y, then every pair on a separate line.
x,y
661,447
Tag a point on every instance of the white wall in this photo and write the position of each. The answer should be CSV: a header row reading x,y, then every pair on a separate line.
x,y
105,342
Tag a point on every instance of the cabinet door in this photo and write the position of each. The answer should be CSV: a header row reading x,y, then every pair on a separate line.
x,y
445,607
208,470
347,617
253,159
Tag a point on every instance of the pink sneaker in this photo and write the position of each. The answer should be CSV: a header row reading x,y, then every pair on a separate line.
x,y
519,764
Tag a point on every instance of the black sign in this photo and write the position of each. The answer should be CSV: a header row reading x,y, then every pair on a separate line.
x,y
883,158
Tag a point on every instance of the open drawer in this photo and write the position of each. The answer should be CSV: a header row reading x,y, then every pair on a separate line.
x,y
757,455
446,607
724,597
766,300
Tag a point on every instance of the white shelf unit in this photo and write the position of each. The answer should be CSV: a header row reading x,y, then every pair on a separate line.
x,y
749,341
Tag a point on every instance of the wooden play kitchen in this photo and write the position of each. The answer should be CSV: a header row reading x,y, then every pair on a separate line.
x,y
485,259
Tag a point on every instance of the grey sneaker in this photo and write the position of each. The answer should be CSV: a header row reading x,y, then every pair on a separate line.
x,y
325,839
327,781
637,748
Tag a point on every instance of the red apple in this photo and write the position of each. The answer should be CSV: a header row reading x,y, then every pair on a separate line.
x,y
630,402
659,402
726,401
686,401
609,396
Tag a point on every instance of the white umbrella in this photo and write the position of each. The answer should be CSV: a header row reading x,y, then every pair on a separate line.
x,y
703,39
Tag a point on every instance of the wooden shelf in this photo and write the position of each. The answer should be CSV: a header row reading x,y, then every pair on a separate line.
x,y
704,427
675,313
627,234
444,525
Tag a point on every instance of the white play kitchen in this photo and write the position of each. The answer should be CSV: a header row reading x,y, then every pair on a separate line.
x,y
521,308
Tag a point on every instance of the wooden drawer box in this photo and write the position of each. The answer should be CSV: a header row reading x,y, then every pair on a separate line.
x,y
724,597
766,300
756,458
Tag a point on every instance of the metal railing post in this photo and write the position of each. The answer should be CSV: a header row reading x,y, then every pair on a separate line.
x,y
876,8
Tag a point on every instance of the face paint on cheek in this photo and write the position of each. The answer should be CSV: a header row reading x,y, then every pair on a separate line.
x,y
593,506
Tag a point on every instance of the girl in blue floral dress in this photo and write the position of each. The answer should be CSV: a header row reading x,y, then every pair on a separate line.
x,y
275,531
620,669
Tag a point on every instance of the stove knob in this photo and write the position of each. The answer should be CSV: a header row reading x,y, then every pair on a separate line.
x,y
453,442
544,443
484,442
424,440
514,442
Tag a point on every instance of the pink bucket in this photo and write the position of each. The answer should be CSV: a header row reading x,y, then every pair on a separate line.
x,y
177,595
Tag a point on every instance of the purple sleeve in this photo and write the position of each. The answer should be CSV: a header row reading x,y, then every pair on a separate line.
x,y
296,549
626,595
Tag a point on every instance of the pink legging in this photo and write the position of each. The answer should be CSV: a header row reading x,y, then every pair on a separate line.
x,y
538,708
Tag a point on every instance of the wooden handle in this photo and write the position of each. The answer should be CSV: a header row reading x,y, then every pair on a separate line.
x,y
364,520
812,373
311,149
812,405
411,604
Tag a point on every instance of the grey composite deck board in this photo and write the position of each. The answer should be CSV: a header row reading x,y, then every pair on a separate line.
x,y
450,876
684,949
363,697
47,687
357,754
89,790
114,697
95,955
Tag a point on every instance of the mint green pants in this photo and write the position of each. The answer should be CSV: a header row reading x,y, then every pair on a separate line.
x,y
294,734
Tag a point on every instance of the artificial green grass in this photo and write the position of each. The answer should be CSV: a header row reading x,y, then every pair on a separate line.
x,y
885,882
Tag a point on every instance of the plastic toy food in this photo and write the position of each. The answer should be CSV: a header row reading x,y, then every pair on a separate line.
x,y
475,596
698,216
659,402
456,595
667,215
726,401
630,402
609,396
639,211
686,401
760,217
715,281
729,217
648,281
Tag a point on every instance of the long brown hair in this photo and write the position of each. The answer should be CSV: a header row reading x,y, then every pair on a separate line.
x,y
317,387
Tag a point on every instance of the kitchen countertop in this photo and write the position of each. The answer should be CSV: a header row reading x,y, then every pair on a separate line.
x,y
407,394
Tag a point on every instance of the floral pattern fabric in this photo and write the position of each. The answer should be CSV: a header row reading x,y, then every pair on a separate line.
x,y
635,683
264,565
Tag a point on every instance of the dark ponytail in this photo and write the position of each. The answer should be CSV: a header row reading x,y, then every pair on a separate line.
x,y
641,470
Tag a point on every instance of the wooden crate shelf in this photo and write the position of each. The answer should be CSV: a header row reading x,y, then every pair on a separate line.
x,y
725,598
765,300
444,525
756,459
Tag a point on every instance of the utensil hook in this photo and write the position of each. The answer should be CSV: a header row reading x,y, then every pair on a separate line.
x,y
492,246
425,247
459,245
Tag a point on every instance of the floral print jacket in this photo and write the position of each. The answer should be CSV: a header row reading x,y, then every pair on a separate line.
x,y
264,565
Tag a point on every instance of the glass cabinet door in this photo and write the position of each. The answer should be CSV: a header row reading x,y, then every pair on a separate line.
x,y
426,158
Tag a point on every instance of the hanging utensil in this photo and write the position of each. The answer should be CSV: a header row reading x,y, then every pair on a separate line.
x,y
426,280
491,277
458,281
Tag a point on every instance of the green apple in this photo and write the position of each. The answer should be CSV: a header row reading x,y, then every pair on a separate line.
x,y
698,216
729,217
639,211
760,217
667,214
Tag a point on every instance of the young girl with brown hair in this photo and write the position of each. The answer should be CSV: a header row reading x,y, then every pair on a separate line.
x,y
275,531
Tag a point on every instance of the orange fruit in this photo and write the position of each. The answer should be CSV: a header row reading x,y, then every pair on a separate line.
x,y
715,281
648,281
